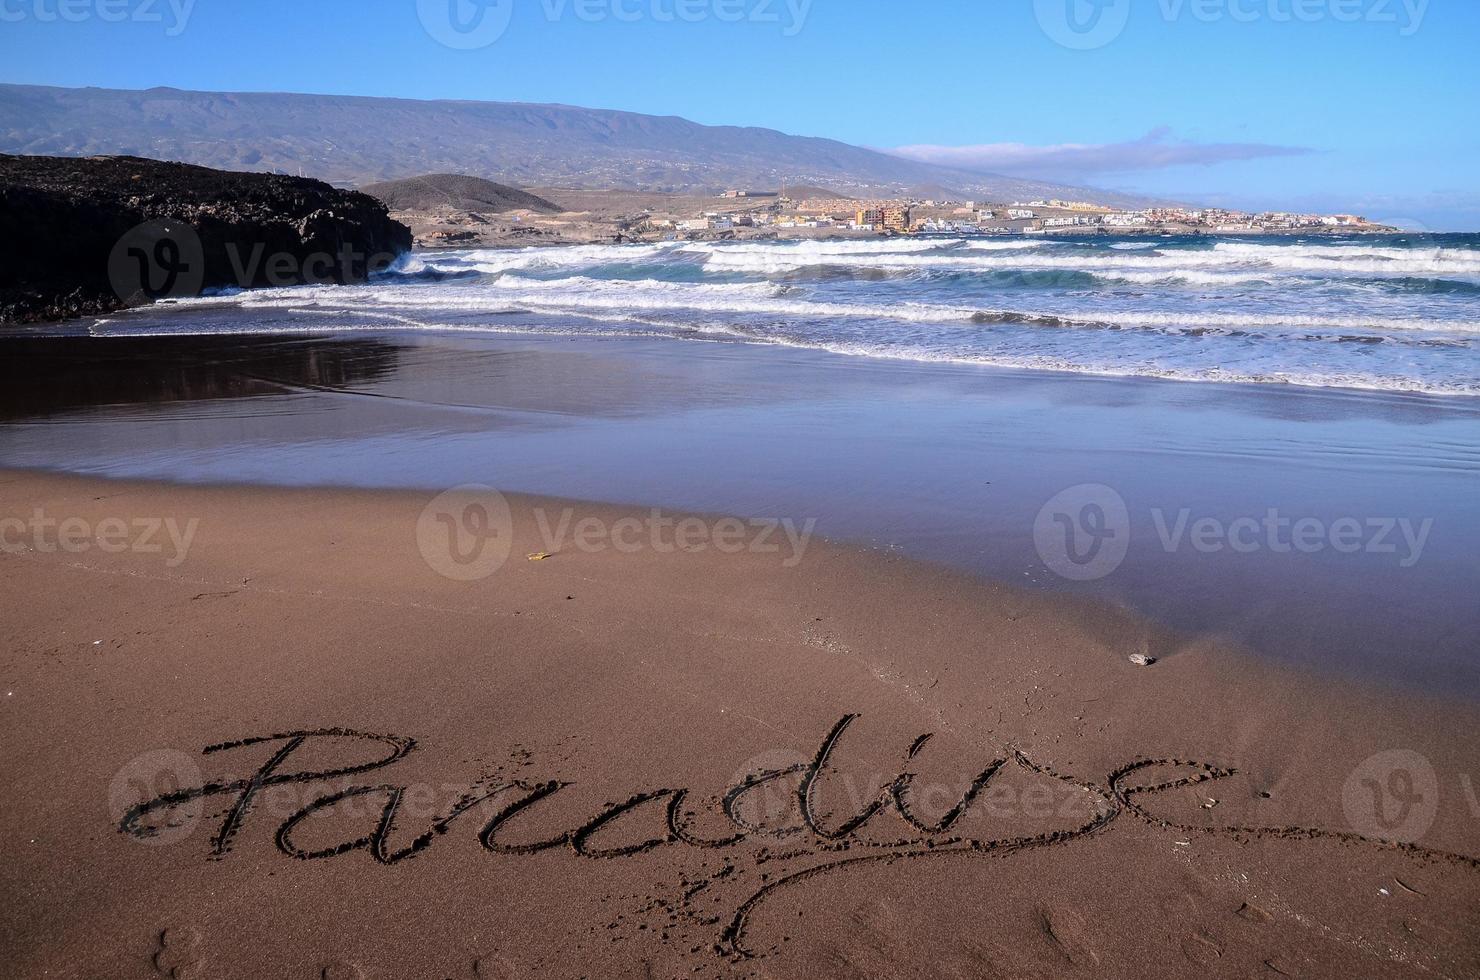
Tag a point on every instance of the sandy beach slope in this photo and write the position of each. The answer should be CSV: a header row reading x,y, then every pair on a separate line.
x,y
290,741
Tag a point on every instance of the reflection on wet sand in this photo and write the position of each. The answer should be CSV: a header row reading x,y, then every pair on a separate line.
x,y
43,377
945,462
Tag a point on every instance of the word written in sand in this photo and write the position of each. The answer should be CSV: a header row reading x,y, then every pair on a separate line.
x,y
815,846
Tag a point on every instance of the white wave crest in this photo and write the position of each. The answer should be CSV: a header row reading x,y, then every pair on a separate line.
x,y
818,247
577,294
1169,264
496,260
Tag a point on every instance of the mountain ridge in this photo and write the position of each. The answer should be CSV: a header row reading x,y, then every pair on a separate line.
x,y
355,140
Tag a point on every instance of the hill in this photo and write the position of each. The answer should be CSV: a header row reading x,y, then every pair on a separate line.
x,y
358,140
933,192
455,191
811,192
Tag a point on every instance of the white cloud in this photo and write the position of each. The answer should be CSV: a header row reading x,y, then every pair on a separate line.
x,y
1156,150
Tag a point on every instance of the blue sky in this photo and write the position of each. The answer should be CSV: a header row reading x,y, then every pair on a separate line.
x,y
1368,105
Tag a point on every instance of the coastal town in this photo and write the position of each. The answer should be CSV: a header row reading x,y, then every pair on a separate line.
x,y
459,211
785,212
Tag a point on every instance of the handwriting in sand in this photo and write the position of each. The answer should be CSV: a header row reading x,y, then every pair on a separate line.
x,y
820,847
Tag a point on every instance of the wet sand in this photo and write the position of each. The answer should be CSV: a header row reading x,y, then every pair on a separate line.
x,y
940,462
309,743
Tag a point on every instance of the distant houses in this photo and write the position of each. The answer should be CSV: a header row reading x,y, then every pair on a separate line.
x,y
710,222
812,208
1071,221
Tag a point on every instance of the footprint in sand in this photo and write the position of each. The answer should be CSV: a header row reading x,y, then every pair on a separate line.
x,y
1253,913
340,970
1065,931
179,953
1202,949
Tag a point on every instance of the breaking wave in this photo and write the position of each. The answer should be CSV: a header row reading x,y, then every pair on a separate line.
x,y
1390,313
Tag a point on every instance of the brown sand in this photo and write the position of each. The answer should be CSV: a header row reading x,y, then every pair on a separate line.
x,y
543,698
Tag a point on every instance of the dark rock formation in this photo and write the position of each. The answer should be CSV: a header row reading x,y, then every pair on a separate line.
x,y
84,236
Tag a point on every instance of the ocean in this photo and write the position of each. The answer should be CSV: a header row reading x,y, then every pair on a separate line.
x,y
1393,313
908,395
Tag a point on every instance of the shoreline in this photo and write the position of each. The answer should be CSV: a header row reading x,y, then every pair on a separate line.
x,y
632,676
939,462
80,327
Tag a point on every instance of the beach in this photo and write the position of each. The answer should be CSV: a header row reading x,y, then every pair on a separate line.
x,y
956,464
705,489
307,748
653,612
321,661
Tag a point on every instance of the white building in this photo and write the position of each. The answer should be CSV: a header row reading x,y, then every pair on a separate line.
x,y
709,223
